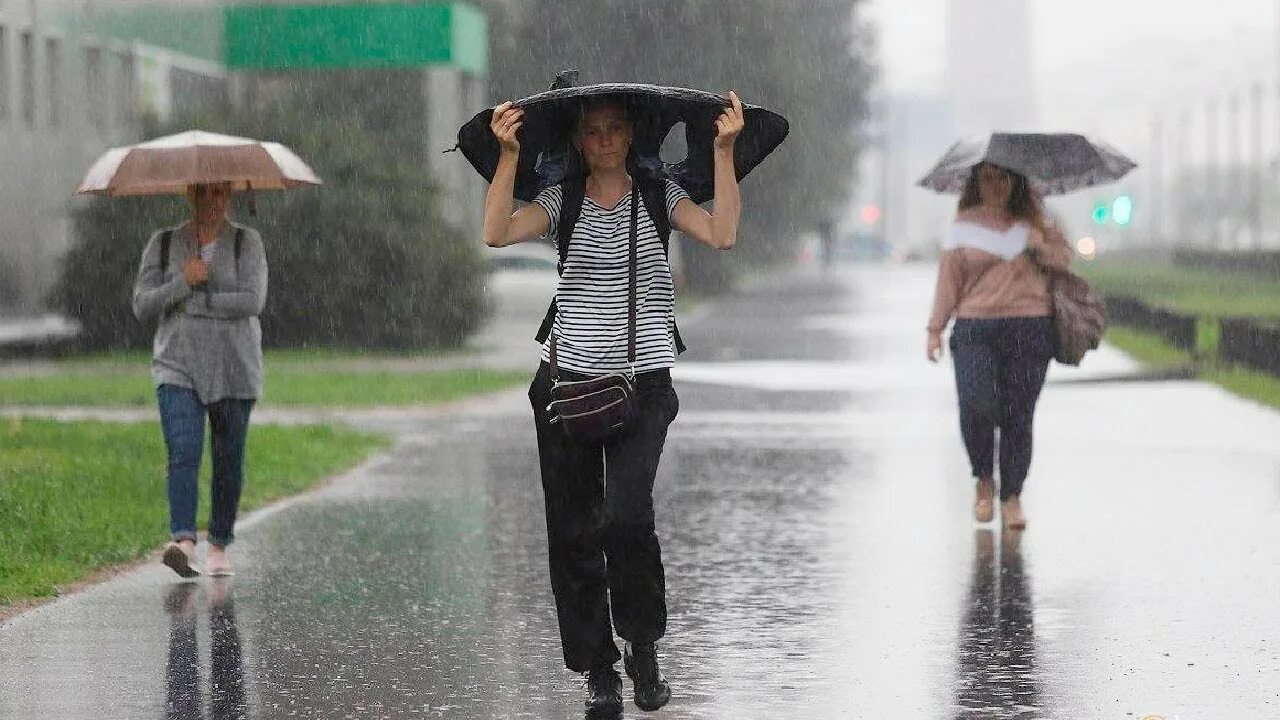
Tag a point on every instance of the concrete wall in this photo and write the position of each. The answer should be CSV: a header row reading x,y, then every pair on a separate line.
x,y
452,97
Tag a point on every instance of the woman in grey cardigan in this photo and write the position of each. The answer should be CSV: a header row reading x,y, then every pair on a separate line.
x,y
205,281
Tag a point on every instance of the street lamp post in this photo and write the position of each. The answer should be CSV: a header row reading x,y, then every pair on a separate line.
x,y
1157,181
1211,167
1255,167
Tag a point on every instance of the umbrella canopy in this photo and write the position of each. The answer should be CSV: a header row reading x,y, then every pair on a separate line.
x,y
547,155
1055,164
167,165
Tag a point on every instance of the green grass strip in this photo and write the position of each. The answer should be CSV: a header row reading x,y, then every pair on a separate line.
x,y
1195,291
111,382
1147,348
385,388
77,497
1248,384
1151,350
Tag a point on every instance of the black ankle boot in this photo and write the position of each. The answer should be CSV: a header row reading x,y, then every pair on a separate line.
x,y
641,662
604,693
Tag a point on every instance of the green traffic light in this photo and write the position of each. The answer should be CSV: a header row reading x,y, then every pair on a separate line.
x,y
1100,214
1122,210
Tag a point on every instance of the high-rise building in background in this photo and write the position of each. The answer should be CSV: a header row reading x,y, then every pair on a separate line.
x,y
989,66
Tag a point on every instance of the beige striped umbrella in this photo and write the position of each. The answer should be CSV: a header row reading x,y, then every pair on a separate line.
x,y
167,165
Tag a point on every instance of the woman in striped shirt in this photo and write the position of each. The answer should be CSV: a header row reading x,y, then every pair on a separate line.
x,y
604,550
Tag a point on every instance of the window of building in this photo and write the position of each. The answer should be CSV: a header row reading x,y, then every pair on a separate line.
x,y
94,91
27,78
53,70
4,74
126,90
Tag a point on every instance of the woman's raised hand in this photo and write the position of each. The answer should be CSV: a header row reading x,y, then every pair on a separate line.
x,y
507,119
730,123
196,272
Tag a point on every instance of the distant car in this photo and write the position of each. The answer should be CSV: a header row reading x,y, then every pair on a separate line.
x,y
522,277
523,257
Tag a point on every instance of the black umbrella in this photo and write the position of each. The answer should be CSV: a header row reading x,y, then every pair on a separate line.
x,y
547,155
1055,163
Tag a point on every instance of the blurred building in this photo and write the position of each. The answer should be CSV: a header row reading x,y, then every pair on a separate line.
x,y
988,86
912,132
79,76
75,78
990,66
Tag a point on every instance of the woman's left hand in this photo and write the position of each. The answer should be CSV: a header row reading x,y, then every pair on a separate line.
x,y
1037,242
730,123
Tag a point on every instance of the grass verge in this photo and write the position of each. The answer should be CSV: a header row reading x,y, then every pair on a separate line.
x,y
1147,348
1202,292
1248,384
113,381
1208,294
81,496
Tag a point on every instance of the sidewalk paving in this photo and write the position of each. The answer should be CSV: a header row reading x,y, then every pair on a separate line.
x,y
814,509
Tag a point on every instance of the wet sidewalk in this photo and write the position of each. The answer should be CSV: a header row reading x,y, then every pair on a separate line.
x,y
814,510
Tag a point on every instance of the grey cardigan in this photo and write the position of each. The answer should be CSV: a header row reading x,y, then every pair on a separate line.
x,y
208,338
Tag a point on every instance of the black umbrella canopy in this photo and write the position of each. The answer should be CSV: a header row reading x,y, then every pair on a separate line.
x,y
1056,163
547,155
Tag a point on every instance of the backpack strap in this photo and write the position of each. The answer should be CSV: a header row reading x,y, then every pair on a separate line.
x,y
166,239
573,192
654,192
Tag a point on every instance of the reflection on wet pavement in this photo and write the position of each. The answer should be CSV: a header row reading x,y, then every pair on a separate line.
x,y
996,654
813,505
184,698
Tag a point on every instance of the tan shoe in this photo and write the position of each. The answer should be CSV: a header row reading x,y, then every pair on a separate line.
x,y
216,562
1011,514
984,500
181,557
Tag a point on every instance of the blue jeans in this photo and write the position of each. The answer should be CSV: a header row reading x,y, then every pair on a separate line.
x,y
182,420
1001,365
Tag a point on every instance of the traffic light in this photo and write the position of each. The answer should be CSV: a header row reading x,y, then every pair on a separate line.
x,y
870,214
1122,210
1119,211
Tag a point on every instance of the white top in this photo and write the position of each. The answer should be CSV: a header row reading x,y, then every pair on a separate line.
x,y
592,298
1007,244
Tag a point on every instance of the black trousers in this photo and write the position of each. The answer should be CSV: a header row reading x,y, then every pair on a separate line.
x,y
1000,365
601,537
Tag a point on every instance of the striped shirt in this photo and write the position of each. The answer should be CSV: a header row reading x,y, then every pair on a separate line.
x,y
592,299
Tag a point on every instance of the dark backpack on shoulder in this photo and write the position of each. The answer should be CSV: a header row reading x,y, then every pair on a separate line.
x,y
654,196
166,239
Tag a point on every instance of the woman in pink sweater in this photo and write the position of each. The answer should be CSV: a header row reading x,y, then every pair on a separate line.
x,y
991,280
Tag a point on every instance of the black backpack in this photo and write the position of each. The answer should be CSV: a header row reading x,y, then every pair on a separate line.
x,y
654,196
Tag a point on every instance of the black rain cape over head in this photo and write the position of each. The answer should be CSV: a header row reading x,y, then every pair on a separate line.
x,y
548,156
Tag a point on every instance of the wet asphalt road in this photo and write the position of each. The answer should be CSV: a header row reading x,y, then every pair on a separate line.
x,y
813,505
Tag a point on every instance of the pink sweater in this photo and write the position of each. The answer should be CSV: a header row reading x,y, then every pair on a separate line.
x,y
977,283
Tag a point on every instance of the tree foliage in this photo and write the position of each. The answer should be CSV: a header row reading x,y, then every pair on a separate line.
x,y
807,60
364,261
